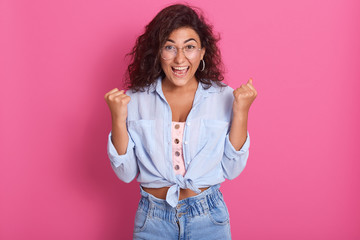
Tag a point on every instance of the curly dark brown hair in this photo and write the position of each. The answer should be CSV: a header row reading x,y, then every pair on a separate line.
x,y
145,66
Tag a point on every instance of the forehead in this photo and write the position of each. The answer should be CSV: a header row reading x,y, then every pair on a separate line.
x,y
182,34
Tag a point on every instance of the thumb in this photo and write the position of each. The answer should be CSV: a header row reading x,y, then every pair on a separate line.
x,y
250,81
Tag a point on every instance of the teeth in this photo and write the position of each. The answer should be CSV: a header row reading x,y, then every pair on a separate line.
x,y
180,68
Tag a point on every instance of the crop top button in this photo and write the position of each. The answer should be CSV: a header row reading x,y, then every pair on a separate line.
x,y
176,167
177,126
177,153
176,141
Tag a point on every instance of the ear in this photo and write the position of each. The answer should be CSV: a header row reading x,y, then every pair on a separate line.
x,y
203,50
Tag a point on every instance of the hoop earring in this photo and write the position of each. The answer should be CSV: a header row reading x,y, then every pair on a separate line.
x,y
203,65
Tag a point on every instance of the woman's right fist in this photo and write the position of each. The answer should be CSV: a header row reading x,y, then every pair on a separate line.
x,y
117,102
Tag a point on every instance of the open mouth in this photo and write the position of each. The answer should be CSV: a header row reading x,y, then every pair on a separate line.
x,y
180,71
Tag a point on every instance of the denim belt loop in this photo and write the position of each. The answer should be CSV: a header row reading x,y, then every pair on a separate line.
x,y
204,204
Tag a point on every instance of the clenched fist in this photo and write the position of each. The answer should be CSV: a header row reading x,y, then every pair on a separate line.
x,y
117,102
244,97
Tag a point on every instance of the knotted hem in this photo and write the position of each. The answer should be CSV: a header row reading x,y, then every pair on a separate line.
x,y
173,193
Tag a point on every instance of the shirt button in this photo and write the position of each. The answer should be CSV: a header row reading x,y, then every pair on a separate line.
x,y
176,141
188,124
186,142
177,126
177,167
177,153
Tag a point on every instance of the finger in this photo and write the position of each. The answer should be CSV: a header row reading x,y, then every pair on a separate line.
x,y
251,87
246,88
249,82
119,93
240,92
115,95
236,93
111,91
246,91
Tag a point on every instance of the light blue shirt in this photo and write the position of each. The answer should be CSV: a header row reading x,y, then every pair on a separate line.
x,y
209,156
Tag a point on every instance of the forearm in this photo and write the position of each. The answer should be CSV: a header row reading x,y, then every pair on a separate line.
x,y
119,136
238,130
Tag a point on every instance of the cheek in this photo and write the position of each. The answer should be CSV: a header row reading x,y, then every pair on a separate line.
x,y
196,63
164,65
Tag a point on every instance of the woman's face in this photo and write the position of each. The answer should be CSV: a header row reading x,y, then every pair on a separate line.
x,y
181,56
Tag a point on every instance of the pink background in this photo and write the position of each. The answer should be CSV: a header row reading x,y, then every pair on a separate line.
x,y
59,58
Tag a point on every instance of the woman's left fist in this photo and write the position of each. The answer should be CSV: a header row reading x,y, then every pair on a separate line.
x,y
244,97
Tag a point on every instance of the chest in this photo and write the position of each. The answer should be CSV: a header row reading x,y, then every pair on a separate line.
x,y
180,106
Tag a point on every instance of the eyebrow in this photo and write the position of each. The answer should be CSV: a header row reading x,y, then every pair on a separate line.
x,y
188,40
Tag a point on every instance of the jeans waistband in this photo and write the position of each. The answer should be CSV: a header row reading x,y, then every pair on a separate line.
x,y
191,206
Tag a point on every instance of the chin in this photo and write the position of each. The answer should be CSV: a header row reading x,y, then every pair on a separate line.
x,y
180,81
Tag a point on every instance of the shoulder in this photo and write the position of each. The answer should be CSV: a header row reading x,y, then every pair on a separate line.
x,y
136,98
223,90
218,102
144,92
131,92
219,96
138,94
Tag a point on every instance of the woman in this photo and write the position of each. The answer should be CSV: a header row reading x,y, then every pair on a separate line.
x,y
179,128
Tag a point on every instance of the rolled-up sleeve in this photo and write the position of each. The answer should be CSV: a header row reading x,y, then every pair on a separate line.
x,y
125,166
233,162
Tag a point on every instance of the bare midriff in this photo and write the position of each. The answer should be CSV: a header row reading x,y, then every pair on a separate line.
x,y
161,192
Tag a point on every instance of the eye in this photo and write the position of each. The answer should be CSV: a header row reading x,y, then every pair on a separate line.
x,y
169,48
190,47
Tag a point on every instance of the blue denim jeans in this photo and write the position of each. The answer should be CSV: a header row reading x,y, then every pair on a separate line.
x,y
204,216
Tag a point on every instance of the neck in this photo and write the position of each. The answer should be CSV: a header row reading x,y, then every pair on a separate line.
x,y
167,86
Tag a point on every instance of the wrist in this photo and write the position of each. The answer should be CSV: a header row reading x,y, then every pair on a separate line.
x,y
241,114
118,121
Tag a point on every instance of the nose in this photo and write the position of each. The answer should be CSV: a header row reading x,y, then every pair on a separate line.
x,y
180,56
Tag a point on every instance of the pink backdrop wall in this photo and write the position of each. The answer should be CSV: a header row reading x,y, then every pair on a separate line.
x,y
59,58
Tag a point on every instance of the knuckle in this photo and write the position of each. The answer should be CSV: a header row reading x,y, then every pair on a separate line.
x,y
117,100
